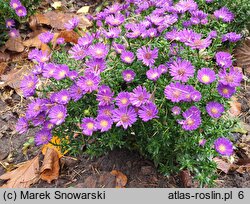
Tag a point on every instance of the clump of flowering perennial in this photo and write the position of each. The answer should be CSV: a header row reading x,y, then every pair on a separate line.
x,y
141,78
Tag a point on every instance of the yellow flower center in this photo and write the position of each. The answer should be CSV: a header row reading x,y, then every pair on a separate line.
x,y
125,118
90,125
62,73
60,115
205,78
124,100
99,52
90,83
30,84
15,5
222,148
104,123
128,59
225,91
214,110
190,121
65,98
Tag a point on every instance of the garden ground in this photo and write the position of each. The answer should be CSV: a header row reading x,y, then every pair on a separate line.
x,y
86,172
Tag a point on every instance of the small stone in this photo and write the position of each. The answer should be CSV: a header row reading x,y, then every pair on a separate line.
x,y
147,170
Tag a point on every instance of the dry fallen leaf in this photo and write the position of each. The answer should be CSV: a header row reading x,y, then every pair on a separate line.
x,y
57,4
14,77
50,168
186,178
69,36
222,165
242,55
15,44
53,18
55,140
121,179
22,177
4,57
235,109
3,66
83,10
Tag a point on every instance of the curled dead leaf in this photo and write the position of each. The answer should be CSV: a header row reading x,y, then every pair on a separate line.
x,y
235,109
186,178
4,57
14,77
69,36
15,44
54,144
222,165
121,179
242,55
50,168
22,177
53,17
3,66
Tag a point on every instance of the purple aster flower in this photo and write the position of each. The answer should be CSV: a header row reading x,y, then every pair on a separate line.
x,y
231,37
175,92
209,1
72,24
186,5
39,120
206,76
192,119
224,59
197,43
21,11
22,125
76,92
202,142
128,75
15,3
147,56
148,112
10,23
49,70
39,56
28,85
231,78
95,66
124,117
77,52
104,123
104,95
88,126
57,114
152,33
139,96
226,91
224,146
196,96
112,33
48,125
224,14
35,108
113,9
214,109
63,97
119,48
72,74
115,20
198,17
43,137
60,41
212,34
89,82
176,110
86,40
153,74
162,69
46,37
106,110
127,57
14,33
61,72
155,19
122,100
136,32
181,70
98,51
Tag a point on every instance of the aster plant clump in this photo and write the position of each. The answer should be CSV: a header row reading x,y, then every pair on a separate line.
x,y
149,75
